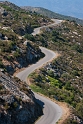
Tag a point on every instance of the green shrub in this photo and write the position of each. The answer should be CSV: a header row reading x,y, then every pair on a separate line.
x,y
29,37
15,104
16,54
1,64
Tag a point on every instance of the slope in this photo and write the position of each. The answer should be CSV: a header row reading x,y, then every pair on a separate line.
x,y
51,14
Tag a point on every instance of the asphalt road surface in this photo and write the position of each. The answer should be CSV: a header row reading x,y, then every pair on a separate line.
x,y
37,30
51,112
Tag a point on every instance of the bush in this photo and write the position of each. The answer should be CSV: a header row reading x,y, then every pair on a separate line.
x,y
16,54
29,37
15,104
9,58
1,64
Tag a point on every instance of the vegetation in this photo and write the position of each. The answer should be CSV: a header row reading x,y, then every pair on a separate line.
x,y
16,46
62,79
50,14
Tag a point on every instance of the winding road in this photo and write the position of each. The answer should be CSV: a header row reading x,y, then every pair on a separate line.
x,y
38,30
49,55
51,111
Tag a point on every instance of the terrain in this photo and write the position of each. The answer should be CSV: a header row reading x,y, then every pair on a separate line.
x,y
51,14
16,46
61,79
17,51
16,101
55,110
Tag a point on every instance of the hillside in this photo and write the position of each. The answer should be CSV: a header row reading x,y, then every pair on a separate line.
x,y
17,50
51,14
16,101
16,47
62,79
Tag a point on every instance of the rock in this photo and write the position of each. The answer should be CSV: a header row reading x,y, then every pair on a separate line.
x,y
3,12
28,29
26,114
19,30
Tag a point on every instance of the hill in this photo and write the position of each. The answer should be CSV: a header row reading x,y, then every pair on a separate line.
x,y
62,79
16,26
17,50
51,14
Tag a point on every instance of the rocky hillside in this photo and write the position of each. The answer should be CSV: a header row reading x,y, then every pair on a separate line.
x,y
16,47
17,102
51,14
61,80
17,50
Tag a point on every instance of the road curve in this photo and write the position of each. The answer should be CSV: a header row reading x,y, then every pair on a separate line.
x,y
51,112
49,55
37,30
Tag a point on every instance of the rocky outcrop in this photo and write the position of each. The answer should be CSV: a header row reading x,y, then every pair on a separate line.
x,y
26,113
29,55
33,54
22,30
3,12
18,104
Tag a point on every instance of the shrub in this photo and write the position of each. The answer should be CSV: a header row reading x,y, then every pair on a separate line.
x,y
1,64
